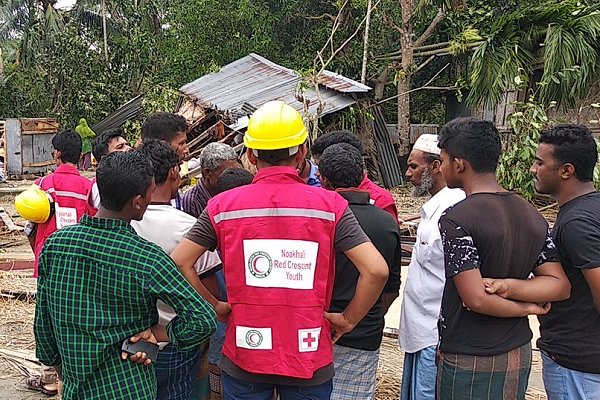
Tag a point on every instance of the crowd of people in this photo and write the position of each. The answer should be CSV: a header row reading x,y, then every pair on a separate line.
x,y
275,285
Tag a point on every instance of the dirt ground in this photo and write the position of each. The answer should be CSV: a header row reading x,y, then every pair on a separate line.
x,y
16,317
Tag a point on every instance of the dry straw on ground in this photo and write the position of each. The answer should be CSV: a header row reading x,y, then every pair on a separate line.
x,y
16,316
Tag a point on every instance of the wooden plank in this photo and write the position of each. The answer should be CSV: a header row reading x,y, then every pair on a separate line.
x,y
42,132
45,125
194,172
26,255
39,164
12,142
42,148
7,221
37,153
16,265
217,130
13,190
199,138
26,151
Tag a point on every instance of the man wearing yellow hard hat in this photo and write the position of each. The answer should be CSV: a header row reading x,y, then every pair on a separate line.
x,y
278,238
59,199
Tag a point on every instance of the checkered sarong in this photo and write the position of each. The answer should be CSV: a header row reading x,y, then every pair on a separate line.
x,y
504,376
355,373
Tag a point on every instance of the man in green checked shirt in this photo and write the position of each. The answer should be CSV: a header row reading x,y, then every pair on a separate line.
x,y
98,285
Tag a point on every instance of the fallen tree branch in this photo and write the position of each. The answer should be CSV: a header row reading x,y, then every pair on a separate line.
x,y
438,49
424,64
412,90
387,21
430,29
320,17
348,40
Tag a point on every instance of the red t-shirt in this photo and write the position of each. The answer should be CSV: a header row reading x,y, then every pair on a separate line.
x,y
380,197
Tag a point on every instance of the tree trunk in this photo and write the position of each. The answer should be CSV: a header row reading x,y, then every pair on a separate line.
x,y
380,82
104,33
363,75
406,42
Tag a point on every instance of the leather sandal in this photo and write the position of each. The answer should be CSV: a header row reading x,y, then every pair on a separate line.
x,y
37,383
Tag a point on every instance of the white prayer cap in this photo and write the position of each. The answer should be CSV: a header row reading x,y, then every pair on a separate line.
x,y
427,143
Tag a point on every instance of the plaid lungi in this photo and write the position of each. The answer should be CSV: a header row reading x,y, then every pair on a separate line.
x,y
355,373
504,376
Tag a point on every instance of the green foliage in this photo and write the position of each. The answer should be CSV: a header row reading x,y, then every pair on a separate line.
x,y
526,124
157,97
459,44
564,35
60,69
55,63
351,118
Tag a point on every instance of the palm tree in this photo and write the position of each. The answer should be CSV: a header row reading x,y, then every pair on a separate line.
x,y
31,22
563,36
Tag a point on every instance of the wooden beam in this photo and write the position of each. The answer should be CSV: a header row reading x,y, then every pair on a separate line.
x,y
6,220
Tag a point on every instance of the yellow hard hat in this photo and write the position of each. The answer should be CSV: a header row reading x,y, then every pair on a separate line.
x,y
275,126
33,204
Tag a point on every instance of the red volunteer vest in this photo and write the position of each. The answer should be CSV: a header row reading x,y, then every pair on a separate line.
x,y
70,191
276,241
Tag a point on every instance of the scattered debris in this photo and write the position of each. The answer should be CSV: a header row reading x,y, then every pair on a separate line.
x,y
7,223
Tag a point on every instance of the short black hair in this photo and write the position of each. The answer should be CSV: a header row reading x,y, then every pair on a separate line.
x,y
573,144
100,145
122,176
163,126
69,144
473,139
342,165
335,137
275,157
162,157
232,178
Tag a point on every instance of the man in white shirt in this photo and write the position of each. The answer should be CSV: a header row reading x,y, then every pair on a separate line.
x,y
418,334
165,225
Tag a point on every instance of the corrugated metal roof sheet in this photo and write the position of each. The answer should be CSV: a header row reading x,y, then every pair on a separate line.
x,y
341,83
128,111
255,80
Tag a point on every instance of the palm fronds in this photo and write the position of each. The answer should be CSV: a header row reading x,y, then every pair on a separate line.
x,y
565,36
571,58
14,17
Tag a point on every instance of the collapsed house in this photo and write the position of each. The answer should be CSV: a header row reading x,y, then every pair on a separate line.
x,y
218,105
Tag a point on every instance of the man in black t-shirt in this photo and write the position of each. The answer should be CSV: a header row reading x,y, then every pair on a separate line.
x,y
485,349
356,354
570,332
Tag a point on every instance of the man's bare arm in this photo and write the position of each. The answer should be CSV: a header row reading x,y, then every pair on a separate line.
x,y
471,290
185,256
549,284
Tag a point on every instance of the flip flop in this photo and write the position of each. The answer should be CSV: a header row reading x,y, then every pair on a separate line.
x,y
36,383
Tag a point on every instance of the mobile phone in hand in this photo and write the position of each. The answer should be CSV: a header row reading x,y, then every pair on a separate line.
x,y
142,346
